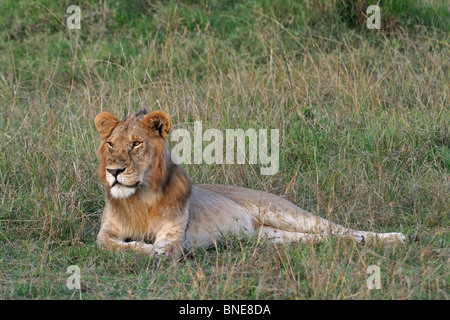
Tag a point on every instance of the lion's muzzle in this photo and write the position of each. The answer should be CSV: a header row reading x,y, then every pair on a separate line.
x,y
122,185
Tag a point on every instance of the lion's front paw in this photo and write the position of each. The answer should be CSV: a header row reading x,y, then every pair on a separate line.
x,y
142,247
148,249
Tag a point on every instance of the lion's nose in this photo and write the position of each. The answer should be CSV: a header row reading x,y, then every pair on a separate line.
x,y
115,172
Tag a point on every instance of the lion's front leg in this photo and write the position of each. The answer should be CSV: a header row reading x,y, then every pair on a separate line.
x,y
110,242
169,240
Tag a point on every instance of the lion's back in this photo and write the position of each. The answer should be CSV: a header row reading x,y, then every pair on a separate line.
x,y
251,198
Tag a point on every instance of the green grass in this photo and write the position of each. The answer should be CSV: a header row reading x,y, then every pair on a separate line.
x,y
364,138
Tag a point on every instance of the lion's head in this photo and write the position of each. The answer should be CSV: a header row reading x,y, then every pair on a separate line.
x,y
134,152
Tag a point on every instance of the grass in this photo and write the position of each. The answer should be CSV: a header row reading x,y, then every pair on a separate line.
x,y
364,138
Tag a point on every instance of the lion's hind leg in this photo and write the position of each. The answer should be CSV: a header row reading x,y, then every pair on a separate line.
x,y
299,224
282,236
386,238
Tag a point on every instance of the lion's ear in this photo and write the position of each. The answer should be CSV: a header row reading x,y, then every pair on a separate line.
x,y
159,122
105,123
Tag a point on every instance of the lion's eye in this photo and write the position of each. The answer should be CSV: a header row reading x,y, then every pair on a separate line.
x,y
136,144
110,145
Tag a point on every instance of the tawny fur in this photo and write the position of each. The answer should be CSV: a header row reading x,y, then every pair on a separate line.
x,y
152,207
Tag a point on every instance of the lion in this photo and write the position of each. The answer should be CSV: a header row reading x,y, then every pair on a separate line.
x,y
152,207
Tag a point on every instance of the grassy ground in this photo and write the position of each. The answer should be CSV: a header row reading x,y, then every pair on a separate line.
x,y
364,138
